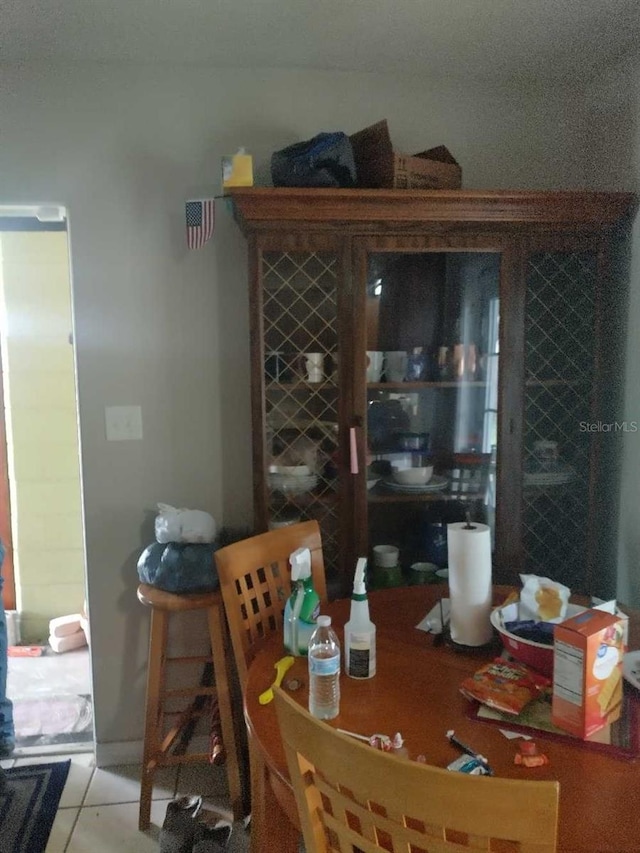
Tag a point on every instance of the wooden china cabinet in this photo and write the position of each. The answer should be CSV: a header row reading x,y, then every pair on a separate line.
x,y
480,333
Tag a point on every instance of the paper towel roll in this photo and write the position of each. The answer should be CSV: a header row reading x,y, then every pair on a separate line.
x,y
470,583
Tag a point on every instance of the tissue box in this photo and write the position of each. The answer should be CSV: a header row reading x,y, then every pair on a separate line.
x,y
587,672
379,166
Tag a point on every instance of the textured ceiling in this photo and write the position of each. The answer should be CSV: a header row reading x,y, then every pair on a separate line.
x,y
498,40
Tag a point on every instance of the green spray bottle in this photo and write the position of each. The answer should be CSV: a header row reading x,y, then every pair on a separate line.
x,y
303,605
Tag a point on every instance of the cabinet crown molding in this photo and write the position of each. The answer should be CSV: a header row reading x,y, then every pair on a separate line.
x,y
269,207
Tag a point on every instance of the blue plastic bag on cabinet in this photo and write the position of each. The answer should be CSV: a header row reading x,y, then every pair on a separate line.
x,y
324,161
179,568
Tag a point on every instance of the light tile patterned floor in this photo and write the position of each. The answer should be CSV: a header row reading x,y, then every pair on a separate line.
x,y
98,810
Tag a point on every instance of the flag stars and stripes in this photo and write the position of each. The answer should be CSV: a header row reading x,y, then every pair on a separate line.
x,y
200,219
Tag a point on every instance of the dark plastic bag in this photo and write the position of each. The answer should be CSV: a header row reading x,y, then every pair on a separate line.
x,y
324,161
180,568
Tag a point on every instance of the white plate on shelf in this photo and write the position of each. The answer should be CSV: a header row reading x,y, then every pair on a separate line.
x,y
435,484
631,668
550,478
293,485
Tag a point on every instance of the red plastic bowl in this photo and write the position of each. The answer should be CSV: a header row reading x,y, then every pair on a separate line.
x,y
536,655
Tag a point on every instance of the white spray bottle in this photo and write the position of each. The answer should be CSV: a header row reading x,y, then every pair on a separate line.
x,y
360,632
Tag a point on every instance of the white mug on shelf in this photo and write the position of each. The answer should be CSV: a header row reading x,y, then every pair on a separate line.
x,y
395,365
375,361
385,556
314,366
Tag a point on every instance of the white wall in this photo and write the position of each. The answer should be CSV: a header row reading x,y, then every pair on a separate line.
x,y
629,530
613,112
122,148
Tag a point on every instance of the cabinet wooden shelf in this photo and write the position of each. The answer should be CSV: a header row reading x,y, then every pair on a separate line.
x,y
318,494
537,489
429,497
301,385
551,383
534,281
420,386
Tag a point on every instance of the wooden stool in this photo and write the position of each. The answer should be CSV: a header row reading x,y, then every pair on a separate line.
x,y
158,746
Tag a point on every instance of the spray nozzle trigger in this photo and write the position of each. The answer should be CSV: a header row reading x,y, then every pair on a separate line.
x,y
300,561
358,578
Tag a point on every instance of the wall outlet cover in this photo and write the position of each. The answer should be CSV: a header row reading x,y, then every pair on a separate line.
x,y
123,423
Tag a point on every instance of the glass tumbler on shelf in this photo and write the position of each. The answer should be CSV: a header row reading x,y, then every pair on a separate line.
x,y
417,364
465,361
444,364
275,367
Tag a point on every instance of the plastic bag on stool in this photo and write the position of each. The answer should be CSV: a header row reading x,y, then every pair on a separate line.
x,y
179,568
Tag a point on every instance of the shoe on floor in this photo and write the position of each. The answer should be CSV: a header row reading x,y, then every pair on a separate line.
x,y
212,834
179,827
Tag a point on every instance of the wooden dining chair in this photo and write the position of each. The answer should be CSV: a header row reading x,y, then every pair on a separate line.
x,y
351,796
255,580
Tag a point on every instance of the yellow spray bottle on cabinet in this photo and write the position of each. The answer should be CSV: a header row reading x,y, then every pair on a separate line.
x,y
237,170
360,632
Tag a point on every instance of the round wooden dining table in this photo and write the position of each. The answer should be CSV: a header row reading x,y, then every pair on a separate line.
x,y
416,692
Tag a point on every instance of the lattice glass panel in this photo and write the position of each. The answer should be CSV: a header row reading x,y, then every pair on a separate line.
x,y
559,365
301,390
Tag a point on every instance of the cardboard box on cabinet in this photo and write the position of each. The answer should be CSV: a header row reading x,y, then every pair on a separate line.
x,y
380,167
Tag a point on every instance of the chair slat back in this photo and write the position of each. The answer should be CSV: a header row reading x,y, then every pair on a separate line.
x,y
351,796
255,581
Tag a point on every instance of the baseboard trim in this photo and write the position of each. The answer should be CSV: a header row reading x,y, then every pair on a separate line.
x,y
123,752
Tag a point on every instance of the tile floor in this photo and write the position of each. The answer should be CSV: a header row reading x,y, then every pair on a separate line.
x,y
98,811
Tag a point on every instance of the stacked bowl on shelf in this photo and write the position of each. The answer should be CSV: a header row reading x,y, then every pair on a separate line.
x,y
292,479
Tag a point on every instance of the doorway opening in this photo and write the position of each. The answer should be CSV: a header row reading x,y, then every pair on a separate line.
x,y
41,522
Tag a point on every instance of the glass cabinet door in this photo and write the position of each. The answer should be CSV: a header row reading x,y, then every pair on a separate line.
x,y
297,306
431,379
560,361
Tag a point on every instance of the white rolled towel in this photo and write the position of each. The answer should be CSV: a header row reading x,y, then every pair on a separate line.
x,y
65,625
66,644
84,624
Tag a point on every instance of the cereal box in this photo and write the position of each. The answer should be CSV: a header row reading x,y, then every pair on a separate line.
x,y
587,672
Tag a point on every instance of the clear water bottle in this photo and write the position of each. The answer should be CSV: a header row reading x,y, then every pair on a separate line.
x,y
324,671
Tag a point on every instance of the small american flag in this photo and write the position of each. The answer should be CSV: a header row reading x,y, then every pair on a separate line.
x,y
201,215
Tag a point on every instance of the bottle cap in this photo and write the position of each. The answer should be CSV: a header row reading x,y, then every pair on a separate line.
x,y
324,621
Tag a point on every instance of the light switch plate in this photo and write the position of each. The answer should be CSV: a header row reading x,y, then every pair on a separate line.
x,y
123,423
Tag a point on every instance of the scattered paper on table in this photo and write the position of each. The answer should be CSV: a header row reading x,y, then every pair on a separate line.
x,y
513,735
432,622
